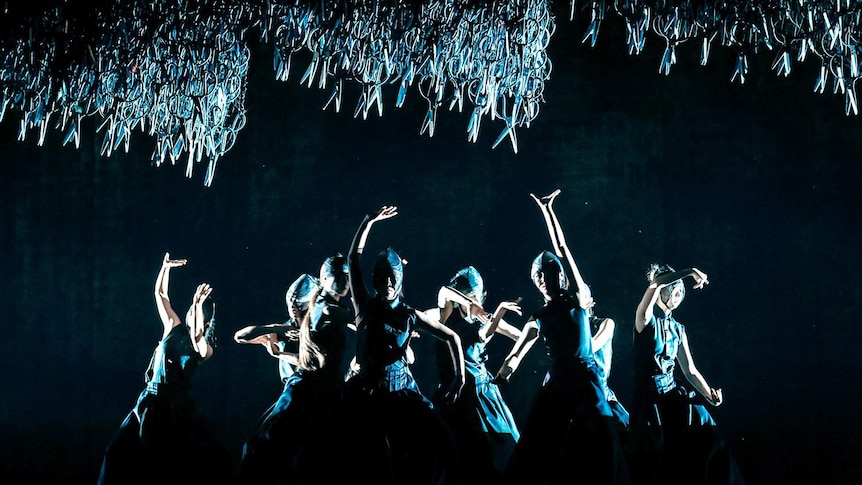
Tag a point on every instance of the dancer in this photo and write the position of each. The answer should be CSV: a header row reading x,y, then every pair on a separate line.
x,y
601,328
310,395
483,426
673,431
387,431
569,435
163,438
281,340
267,442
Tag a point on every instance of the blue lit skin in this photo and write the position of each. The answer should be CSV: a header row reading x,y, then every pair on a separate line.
x,y
667,291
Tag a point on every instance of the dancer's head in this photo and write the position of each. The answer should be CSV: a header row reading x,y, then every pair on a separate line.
x,y
333,275
670,296
548,275
388,275
469,282
298,296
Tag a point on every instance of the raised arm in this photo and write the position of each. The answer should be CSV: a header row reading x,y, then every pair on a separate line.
x,y
197,325
358,292
558,238
529,335
686,365
644,312
169,317
456,352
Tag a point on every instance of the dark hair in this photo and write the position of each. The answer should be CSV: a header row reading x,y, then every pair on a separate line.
x,y
333,266
547,262
209,308
389,265
469,281
299,292
655,270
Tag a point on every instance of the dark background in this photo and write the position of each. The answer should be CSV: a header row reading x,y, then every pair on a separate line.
x,y
757,185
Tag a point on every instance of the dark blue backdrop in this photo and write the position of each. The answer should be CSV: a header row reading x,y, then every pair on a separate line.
x,y
757,185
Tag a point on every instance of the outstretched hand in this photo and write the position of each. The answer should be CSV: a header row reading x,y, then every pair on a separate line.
x,y
167,262
385,212
512,306
546,200
715,397
201,294
700,279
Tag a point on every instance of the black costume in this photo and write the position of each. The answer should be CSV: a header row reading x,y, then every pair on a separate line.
x,y
676,438
385,430
163,439
569,435
264,442
275,454
483,426
604,359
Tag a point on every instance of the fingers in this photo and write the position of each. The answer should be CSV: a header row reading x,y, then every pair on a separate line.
x,y
389,210
203,291
715,396
550,197
700,277
386,212
546,200
167,262
511,306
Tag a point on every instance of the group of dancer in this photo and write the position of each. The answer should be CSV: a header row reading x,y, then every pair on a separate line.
x,y
351,408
